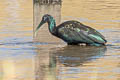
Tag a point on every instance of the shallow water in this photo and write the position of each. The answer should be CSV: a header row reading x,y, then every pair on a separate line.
x,y
23,59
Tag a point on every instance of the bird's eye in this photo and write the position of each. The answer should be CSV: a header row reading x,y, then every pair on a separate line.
x,y
44,18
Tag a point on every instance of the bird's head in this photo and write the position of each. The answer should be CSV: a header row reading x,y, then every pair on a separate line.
x,y
45,19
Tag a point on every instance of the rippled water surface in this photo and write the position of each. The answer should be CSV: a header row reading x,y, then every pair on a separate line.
x,y
23,59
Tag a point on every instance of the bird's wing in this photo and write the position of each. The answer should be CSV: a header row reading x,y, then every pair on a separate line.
x,y
90,33
80,33
69,33
95,36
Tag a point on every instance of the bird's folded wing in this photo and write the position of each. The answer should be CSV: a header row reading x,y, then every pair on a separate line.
x,y
75,34
94,36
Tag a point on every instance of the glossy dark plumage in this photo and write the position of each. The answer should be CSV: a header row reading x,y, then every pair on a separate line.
x,y
73,32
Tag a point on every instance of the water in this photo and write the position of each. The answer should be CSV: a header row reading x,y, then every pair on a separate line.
x,y
23,59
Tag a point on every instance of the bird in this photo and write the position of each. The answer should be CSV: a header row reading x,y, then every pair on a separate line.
x,y
73,32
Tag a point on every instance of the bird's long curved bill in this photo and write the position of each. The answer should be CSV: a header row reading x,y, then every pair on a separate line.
x,y
41,23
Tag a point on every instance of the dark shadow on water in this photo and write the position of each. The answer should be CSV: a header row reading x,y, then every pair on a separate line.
x,y
76,55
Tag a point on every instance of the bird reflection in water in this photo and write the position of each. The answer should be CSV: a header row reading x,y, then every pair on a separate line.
x,y
49,67
72,56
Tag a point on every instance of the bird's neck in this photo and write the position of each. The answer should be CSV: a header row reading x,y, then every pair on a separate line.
x,y
52,25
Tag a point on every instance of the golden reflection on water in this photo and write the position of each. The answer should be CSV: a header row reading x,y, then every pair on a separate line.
x,y
49,61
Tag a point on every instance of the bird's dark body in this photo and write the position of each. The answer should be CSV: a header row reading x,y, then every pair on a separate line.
x,y
74,32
